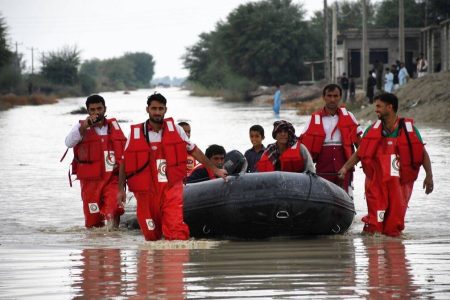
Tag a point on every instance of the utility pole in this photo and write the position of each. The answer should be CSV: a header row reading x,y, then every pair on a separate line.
x,y
326,41
32,59
334,44
364,48
401,31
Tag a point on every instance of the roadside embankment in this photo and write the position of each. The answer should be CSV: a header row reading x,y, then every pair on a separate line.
x,y
425,99
10,100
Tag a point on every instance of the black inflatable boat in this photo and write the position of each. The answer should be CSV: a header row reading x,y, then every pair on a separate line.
x,y
262,205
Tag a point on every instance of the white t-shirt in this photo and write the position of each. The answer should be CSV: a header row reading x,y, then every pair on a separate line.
x,y
74,136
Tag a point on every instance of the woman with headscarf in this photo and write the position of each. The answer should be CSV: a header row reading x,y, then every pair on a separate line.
x,y
286,154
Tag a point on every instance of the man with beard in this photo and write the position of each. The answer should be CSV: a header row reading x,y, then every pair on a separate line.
x,y
391,153
154,168
98,147
330,136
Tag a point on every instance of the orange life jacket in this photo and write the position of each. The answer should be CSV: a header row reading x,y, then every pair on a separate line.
x,y
211,174
314,137
291,161
96,154
409,150
145,163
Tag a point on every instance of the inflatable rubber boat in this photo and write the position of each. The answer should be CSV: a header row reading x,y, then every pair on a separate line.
x,y
264,205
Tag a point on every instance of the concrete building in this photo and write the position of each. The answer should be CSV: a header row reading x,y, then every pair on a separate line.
x,y
383,46
435,44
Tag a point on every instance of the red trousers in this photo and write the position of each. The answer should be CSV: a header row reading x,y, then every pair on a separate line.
x,y
100,200
386,203
330,160
160,213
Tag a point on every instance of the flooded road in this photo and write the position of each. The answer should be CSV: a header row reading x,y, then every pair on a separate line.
x,y
45,252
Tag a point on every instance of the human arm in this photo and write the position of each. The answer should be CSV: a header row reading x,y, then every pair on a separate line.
x,y
428,181
349,164
200,156
78,131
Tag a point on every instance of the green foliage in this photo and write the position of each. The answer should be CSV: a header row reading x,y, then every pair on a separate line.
x,y
264,42
5,53
438,11
387,14
61,67
143,66
132,70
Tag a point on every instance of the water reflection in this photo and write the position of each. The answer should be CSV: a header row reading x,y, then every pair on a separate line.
x,y
109,273
389,272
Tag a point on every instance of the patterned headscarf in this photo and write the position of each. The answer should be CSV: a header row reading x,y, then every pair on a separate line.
x,y
272,150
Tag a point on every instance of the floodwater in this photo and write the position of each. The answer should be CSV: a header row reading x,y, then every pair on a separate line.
x,y
45,253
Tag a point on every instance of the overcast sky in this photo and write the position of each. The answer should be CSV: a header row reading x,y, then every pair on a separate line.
x,y
109,28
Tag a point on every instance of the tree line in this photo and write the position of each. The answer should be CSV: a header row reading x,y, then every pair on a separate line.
x,y
267,42
62,72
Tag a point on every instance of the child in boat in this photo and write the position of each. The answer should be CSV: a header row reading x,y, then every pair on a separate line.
x,y
190,162
253,155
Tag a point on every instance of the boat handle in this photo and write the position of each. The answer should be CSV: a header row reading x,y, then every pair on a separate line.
x,y
282,214
206,230
338,229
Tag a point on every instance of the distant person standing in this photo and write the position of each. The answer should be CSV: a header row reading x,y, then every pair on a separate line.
x,y
402,75
344,85
378,66
422,66
352,88
277,100
371,84
388,81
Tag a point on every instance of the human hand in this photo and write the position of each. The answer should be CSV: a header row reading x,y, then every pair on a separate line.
x,y
222,173
428,184
121,198
341,173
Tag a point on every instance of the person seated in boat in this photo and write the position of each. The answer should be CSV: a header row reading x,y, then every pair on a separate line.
x,y
190,162
253,155
216,154
287,153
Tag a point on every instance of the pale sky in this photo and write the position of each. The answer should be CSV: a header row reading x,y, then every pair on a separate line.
x,y
109,28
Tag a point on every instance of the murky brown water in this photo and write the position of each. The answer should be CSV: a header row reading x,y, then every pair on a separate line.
x,y
45,253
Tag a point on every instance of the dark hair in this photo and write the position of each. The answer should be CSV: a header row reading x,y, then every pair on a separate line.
x,y
94,99
389,99
257,128
183,124
156,97
331,87
214,150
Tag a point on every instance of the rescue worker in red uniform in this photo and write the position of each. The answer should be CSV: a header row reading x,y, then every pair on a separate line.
x,y
214,153
391,153
98,147
287,153
154,168
191,162
330,136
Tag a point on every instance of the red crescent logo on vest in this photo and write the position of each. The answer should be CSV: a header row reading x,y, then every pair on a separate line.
x,y
396,164
162,167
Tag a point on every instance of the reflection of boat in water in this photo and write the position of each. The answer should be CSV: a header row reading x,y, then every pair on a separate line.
x,y
261,205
